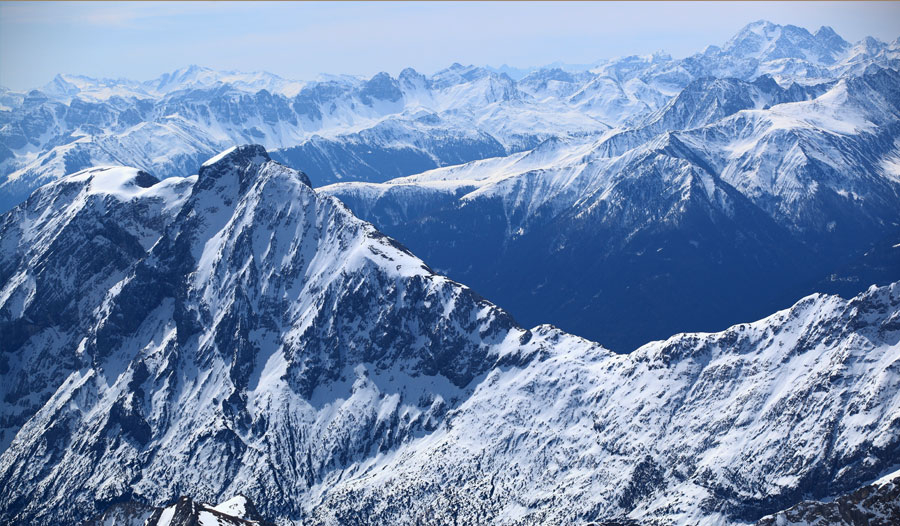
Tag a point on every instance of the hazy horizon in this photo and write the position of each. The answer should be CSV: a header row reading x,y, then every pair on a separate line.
x,y
300,41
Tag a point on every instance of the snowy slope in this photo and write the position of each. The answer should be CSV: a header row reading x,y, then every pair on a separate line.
x,y
257,339
64,248
697,429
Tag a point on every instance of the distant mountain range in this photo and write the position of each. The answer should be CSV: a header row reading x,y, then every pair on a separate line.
x,y
772,158
348,128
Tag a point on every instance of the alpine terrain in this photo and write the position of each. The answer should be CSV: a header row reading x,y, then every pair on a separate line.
x,y
235,333
773,157
213,309
734,199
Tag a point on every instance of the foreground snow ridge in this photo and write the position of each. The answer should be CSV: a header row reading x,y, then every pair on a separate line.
x,y
236,333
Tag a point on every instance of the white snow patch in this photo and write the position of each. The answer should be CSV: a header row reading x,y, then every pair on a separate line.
x,y
219,157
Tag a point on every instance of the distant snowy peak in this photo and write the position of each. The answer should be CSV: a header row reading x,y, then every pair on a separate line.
x,y
793,54
725,122
459,74
467,86
766,41
553,81
168,125
707,100
196,77
762,41
65,87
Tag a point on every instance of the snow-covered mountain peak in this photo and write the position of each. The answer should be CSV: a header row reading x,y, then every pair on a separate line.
x,y
753,38
67,87
829,38
246,162
763,40
105,190
411,79
258,293
247,155
199,77
381,87
459,74
178,79
269,339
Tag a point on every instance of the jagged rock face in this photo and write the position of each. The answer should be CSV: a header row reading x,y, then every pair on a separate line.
x,y
123,514
185,512
699,429
61,252
236,335
640,233
877,504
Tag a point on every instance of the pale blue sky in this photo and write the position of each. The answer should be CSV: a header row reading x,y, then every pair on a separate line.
x,y
141,40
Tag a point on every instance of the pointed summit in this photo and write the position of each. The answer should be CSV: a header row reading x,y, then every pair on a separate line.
x,y
828,38
237,154
246,161
752,39
380,87
410,78
762,40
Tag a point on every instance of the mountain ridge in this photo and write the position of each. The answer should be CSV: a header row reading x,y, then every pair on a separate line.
x,y
188,319
728,175
171,128
229,359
